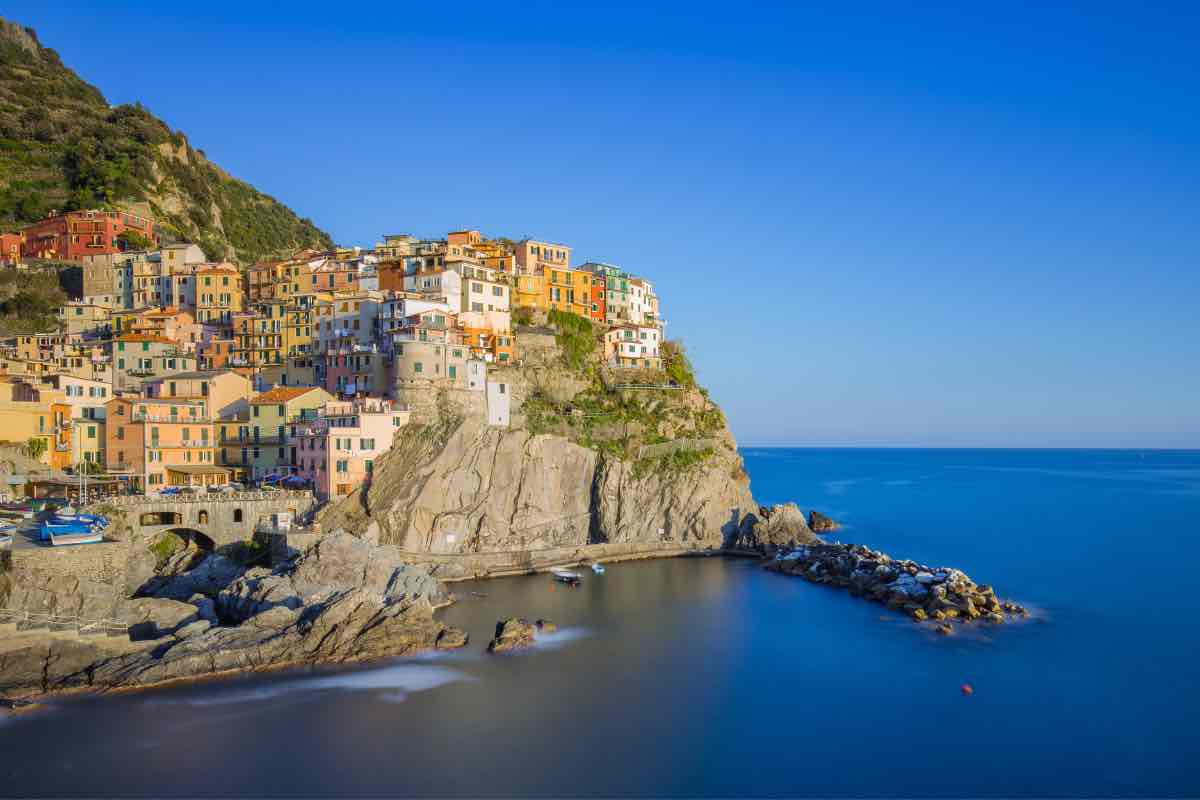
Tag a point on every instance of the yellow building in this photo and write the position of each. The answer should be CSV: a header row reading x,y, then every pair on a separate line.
x,y
569,290
530,292
218,295
270,446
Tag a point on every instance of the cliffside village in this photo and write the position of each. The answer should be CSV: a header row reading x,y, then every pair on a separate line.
x,y
173,371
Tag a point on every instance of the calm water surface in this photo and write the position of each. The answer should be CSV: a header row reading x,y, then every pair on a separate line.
x,y
713,677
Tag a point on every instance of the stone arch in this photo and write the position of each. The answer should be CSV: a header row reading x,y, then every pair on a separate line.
x,y
237,515
202,517
160,518
193,536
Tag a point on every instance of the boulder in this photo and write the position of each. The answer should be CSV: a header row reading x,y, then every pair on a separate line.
x,y
153,618
819,523
513,633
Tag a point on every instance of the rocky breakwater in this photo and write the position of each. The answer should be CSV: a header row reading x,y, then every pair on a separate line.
x,y
940,594
343,600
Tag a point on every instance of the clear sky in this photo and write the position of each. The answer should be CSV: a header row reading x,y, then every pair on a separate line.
x,y
942,224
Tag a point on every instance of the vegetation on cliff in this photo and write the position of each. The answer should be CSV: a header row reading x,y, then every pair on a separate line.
x,y
669,425
62,146
29,300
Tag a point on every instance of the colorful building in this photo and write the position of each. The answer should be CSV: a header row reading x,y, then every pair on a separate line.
x,y
633,346
218,295
534,258
145,437
72,235
337,450
569,290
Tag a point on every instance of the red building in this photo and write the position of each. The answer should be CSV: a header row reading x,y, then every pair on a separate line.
x,y
74,234
599,304
11,245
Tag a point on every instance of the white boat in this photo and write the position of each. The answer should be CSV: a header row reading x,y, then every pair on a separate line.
x,y
66,512
565,575
5,539
92,537
598,568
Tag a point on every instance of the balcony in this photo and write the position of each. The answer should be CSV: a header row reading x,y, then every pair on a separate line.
x,y
197,420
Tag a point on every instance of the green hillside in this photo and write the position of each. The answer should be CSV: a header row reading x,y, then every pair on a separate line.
x,y
62,146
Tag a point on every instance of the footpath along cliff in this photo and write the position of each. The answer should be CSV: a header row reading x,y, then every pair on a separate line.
x,y
595,464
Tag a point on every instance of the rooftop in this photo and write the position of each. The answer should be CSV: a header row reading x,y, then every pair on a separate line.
x,y
282,394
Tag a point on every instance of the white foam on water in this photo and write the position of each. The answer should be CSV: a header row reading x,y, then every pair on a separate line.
x,y
406,678
560,638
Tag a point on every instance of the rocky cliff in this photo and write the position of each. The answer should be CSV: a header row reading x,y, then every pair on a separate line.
x,y
587,462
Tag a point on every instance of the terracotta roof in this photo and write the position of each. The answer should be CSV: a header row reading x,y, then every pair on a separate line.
x,y
218,271
282,394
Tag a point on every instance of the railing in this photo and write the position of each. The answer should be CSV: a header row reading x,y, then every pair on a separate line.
x,y
215,497
143,417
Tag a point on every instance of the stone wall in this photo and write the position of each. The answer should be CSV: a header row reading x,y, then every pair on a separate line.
x,y
104,562
86,581
449,567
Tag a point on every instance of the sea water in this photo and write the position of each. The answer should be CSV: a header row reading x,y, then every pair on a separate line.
x,y
713,677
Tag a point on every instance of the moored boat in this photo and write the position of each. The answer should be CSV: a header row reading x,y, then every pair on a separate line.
x,y
566,576
598,568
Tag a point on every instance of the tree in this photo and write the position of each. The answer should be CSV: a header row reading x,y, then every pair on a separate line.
x,y
134,240
35,448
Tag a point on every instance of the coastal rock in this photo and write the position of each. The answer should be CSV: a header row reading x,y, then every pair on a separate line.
x,y
820,523
513,633
344,600
493,490
779,526
921,592
153,618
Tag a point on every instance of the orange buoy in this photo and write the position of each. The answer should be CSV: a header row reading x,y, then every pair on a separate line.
x,y
967,689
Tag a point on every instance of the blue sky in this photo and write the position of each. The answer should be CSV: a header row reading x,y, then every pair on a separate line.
x,y
931,224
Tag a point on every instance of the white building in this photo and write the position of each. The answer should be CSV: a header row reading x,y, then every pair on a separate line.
x,y
634,346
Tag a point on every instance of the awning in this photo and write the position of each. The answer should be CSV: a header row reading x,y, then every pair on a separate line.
x,y
197,469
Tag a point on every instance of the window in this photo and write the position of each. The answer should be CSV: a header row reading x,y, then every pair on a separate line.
x,y
418,367
366,444
343,466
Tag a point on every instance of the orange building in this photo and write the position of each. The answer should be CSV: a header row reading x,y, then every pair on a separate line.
x,y
569,290
534,258
146,438
598,302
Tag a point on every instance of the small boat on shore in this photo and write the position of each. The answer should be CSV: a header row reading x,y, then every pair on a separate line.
x,y
81,537
598,568
566,576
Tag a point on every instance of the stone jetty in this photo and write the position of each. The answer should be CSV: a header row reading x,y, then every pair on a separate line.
x,y
941,594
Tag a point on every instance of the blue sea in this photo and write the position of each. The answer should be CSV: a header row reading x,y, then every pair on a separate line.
x,y
713,677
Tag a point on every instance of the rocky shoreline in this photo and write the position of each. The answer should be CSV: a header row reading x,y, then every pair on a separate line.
x,y
342,601
942,595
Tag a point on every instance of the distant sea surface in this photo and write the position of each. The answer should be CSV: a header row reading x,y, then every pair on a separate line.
x,y
691,677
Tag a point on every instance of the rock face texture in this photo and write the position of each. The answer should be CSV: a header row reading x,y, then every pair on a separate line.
x,y
821,523
343,600
485,489
780,526
942,594
512,634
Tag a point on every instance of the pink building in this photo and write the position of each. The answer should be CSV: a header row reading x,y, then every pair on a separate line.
x,y
337,450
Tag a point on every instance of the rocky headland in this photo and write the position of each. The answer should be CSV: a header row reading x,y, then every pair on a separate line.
x,y
942,595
